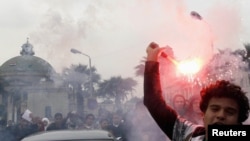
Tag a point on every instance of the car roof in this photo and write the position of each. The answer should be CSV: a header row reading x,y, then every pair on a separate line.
x,y
60,135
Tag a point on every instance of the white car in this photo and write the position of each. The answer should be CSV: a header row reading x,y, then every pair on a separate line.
x,y
71,135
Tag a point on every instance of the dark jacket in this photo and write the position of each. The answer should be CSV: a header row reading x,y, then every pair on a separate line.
x,y
176,128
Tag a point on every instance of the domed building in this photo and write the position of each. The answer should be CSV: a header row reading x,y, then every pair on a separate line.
x,y
29,82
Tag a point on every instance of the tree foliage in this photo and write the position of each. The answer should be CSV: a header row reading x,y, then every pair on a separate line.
x,y
117,87
139,69
79,75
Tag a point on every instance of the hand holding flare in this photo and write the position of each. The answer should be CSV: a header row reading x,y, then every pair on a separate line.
x,y
186,67
154,52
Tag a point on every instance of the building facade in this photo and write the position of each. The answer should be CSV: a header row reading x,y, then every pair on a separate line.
x,y
29,82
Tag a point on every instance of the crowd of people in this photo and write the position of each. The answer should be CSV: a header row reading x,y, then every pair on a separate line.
x,y
136,124
188,108
111,122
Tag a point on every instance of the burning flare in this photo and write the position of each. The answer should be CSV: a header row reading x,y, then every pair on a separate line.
x,y
189,66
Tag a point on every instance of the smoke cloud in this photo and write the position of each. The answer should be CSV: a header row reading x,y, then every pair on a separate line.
x,y
104,29
116,33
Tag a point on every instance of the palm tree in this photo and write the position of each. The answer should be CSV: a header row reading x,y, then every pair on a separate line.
x,y
77,77
117,88
140,68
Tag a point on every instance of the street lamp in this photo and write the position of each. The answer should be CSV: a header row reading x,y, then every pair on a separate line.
x,y
90,72
197,16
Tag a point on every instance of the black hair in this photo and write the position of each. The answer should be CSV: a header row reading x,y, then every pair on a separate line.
x,y
191,102
58,114
104,119
176,96
223,88
90,115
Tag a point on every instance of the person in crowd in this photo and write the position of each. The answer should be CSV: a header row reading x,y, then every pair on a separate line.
x,y
194,114
179,104
24,128
59,123
46,122
222,103
117,126
103,114
5,134
10,125
88,123
104,124
38,121
73,120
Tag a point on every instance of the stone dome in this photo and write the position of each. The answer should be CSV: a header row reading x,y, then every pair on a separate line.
x,y
26,67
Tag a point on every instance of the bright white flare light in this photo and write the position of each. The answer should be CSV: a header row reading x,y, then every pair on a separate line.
x,y
189,67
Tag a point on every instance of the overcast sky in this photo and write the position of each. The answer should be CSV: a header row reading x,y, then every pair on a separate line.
x,y
115,33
